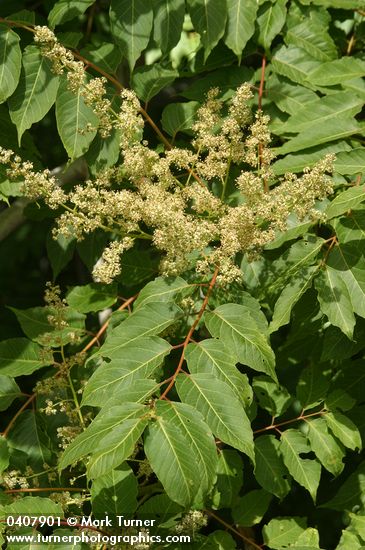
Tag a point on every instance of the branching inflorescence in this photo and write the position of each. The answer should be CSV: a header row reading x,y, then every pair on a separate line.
x,y
149,195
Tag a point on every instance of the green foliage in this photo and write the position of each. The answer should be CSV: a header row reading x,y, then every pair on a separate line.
x,y
219,394
36,91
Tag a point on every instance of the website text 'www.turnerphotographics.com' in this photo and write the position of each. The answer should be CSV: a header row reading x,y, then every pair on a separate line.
x,y
87,530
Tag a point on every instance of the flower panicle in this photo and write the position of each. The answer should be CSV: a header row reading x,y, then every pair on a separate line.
x,y
148,196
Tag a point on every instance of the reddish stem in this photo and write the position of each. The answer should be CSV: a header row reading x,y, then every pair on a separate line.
x,y
13,420
262,82
298,419
106,324
190,333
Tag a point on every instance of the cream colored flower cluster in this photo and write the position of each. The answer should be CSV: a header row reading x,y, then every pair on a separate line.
x,y
61,58
177,199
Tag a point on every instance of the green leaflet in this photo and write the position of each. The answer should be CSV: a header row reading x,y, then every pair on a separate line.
x,y
115,491
160,505
137,391
20,356
148,81
350,493
358,523
36,325
336,71
295,64
29,436
4,454
287,96
241,16
320,111
116,446
92,297
283,531
235,325
167,449
312,386
219,539
270,19
229,478
107,56
352,162
350,198
64,10
36,91
250,509
103,153
328,451
350,266
103,424
339,400
199,440
300,255
271,396
9,390
60,252
351,379
136,360
313,38
349,541
226,79
10,62
340,4
308,540
152,319
209,20
344,429
305,471
334,299
168,22
39,506
290,296
212,357
177,117
131,25
73,119
332,130
295,229
270,471
296,162
350,229
162,289
220,408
